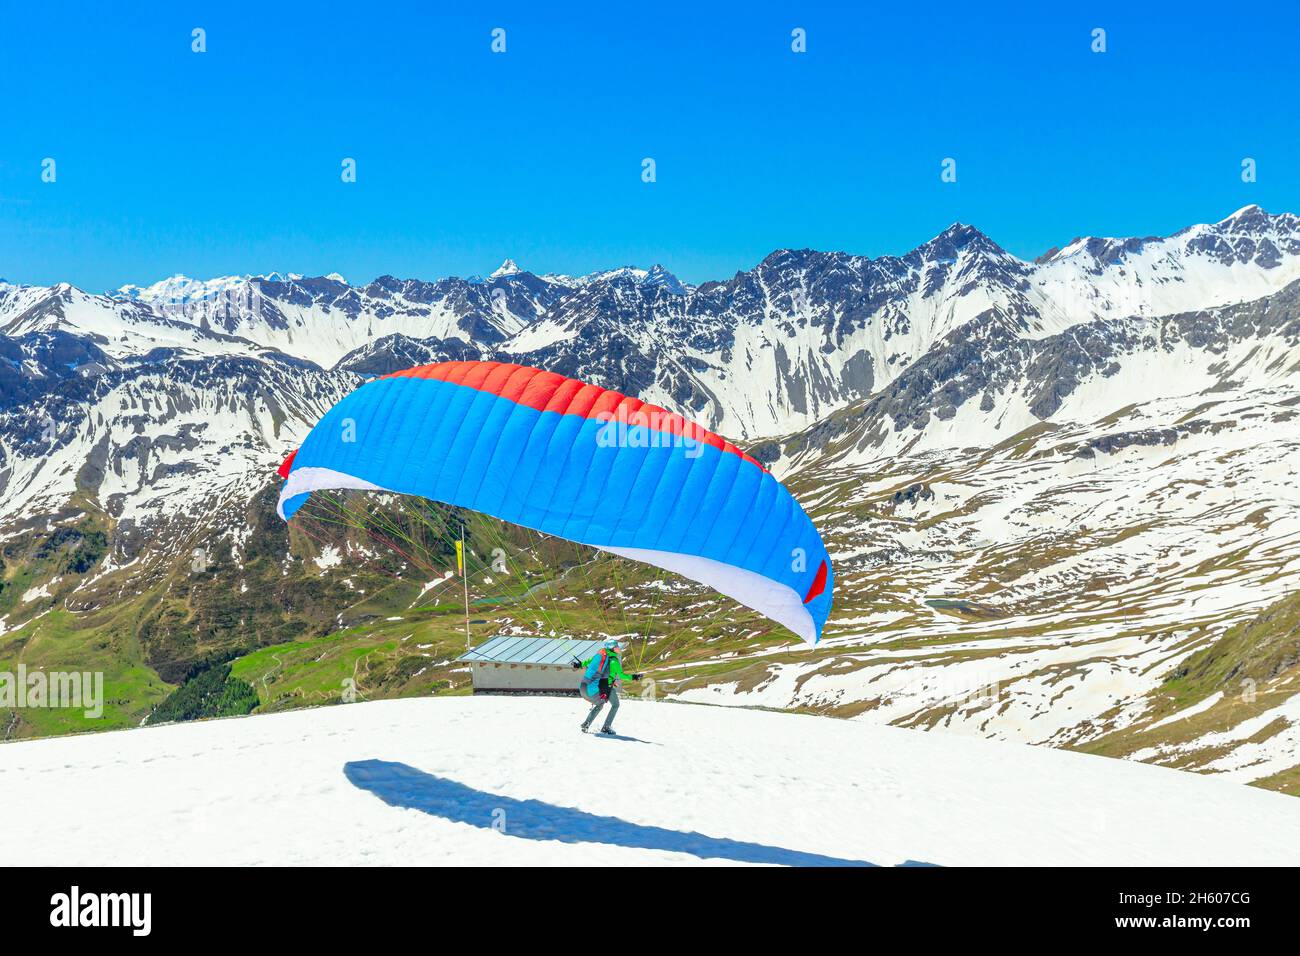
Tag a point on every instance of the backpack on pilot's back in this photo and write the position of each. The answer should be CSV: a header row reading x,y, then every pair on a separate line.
x,y
598,668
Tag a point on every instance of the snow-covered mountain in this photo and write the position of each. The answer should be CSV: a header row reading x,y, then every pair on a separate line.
x,y
987,381
956,343
769,351
146,438
1246,256
1086,460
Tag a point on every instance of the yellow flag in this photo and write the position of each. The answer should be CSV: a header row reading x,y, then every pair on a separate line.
x,y
460,556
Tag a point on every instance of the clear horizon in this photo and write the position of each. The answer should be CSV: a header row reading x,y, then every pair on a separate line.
x,y
524,267
466,157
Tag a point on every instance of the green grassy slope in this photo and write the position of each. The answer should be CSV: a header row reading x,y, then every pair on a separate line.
x,y
321,612
1253,668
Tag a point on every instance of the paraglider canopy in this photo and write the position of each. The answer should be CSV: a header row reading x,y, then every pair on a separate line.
x,y
581,462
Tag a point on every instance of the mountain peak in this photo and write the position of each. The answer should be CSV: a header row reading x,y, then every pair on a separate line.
x,y
1250,218
957,237
1245,212
962,231
662,278
507,268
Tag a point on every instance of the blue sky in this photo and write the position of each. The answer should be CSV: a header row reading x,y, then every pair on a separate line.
x,y
229,161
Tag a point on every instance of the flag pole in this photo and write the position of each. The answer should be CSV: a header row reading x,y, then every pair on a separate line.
x,y
464,577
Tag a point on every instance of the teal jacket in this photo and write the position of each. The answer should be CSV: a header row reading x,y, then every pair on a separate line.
x,y
604,663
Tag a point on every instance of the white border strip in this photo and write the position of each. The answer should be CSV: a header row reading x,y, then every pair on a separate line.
x,y
305,480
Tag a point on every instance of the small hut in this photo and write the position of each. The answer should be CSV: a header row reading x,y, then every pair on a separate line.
x,y
528,665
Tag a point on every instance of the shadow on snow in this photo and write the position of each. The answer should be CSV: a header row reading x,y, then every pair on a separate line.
x,y
400,785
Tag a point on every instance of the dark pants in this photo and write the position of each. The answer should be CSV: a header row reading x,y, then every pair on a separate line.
x,y
596,703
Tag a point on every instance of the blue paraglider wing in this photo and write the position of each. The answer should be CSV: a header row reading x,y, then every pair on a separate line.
x,y
581,462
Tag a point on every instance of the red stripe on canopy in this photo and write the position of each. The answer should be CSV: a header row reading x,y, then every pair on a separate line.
x,y
552,392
